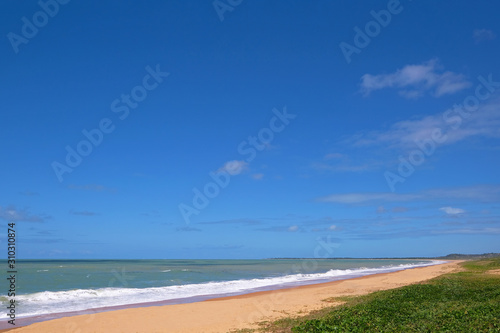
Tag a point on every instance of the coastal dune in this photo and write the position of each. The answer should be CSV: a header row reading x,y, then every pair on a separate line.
x,y
236,312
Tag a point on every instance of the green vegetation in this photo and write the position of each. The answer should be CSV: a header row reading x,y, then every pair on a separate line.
x,y
454,256
467,301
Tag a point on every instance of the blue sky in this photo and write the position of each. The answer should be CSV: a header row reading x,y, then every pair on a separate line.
x,y
250,129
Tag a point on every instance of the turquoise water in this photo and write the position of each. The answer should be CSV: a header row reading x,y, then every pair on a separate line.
x,y
54,286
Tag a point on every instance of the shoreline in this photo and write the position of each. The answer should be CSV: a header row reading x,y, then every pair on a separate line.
x,y
354,273
222,314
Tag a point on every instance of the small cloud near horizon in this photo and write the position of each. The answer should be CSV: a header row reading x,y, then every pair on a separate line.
x,y
234,167
327,229
293,228
452,211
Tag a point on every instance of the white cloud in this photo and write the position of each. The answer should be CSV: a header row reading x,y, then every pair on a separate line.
x,y
12,214
452,211
413,81
353,198
481,35
332,227
381,210
485,231
485,121
234,167
258,176
293,228
483,193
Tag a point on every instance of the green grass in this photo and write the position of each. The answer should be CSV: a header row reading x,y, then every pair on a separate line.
x,y
468,301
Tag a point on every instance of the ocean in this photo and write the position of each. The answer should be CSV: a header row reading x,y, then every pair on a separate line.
x,y
47,288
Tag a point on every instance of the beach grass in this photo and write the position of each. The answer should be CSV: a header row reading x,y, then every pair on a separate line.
x,y
467,301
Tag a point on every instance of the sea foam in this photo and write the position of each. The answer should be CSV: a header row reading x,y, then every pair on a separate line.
x,y
49,302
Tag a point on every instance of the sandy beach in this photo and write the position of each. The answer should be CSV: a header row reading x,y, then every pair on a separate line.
x,y
245,311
